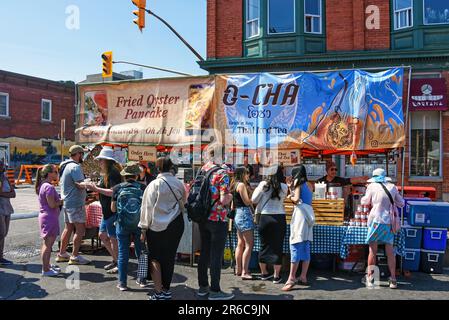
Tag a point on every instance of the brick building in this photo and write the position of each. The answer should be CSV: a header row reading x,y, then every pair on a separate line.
x,y
308,35
31,110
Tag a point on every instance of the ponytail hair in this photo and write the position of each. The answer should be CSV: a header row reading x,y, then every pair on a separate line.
x,y
299,174
42,174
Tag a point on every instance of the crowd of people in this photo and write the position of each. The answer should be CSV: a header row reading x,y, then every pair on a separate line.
x,y
148,209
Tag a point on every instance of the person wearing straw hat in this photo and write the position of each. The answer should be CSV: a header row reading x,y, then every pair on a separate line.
x,y
110,177
380,194
127,202
73,191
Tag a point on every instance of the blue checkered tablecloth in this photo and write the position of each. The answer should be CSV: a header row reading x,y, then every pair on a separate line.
x,y
357,235
326,239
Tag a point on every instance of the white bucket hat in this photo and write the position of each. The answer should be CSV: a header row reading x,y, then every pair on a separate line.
x,y
379,175
106,154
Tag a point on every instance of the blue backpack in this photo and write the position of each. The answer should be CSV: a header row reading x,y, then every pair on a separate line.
x,y
129,202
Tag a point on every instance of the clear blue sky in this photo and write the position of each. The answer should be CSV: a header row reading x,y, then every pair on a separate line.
x,y
35,40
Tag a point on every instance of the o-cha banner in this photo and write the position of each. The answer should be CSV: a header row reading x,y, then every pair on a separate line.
x,y
346,110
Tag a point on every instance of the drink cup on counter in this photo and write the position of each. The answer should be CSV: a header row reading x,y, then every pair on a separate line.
x,y
357,215
351,223
358,223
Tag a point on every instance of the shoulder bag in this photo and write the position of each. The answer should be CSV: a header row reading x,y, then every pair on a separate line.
x,y
394,216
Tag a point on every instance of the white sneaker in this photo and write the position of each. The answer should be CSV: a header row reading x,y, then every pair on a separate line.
x,y
55,267
79,260
112,271
50,273
393,284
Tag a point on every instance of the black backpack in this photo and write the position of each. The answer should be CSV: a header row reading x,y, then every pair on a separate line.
x,y
62,167
199,202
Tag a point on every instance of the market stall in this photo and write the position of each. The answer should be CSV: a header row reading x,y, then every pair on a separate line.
x,y
325,114
277,118
145,119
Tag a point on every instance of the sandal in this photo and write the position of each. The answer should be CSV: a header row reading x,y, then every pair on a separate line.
x,y
288,286
247,277
302,283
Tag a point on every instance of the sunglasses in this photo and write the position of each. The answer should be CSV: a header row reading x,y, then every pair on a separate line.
x,y
333,169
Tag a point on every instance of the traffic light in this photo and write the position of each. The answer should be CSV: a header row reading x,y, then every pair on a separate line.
x,y
107,64
140,13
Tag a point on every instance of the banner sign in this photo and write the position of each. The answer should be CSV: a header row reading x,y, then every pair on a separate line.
x,y
428,94
288,157
333,111
152,112
346,110
137,153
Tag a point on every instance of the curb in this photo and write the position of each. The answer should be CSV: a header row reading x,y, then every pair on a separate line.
x,y
20,216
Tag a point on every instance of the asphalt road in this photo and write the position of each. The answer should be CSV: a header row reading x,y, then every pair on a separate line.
x,y
23,279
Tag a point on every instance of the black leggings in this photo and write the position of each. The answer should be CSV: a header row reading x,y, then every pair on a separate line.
x,y
272,229
162,247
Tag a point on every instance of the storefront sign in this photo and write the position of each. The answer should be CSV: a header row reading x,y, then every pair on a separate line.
x,y
147,154
428,94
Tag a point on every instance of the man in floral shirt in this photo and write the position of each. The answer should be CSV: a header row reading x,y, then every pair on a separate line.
x,y
219,184
214,231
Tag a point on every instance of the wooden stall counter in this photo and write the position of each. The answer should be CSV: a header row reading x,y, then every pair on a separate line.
x,y
327,212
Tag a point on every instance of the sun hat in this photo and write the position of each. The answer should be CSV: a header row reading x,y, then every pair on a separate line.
x,y
379,175
131,169
106,154
77,149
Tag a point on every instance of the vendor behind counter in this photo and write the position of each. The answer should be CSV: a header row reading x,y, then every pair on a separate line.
x,y
332,180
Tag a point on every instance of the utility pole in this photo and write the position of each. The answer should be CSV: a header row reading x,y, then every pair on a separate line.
x,y
62,138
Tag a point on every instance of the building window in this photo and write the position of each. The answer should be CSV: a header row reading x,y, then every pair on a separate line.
x,y
252,18
436,12
46,110
312,16
281,16
403,14
425,151
4,104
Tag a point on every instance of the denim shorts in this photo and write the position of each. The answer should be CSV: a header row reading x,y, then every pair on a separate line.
x,y
243,220
108,226
300,252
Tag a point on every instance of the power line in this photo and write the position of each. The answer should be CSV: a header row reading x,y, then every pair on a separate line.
x,y
151,67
